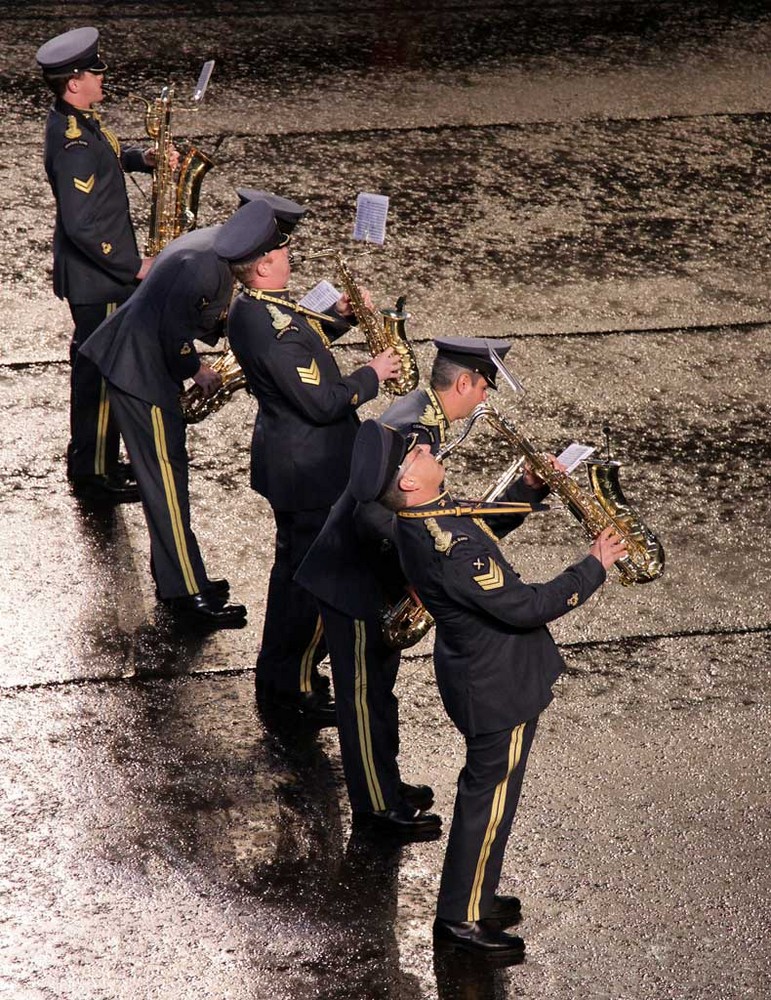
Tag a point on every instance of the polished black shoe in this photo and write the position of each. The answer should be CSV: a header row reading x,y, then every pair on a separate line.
x,y
202,610
123,472
104,489
505,911
404,822
314,707
219,588
417,796
479,938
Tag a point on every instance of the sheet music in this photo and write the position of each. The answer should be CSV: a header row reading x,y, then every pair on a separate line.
x,y
320,297
574,454
371,213
203,81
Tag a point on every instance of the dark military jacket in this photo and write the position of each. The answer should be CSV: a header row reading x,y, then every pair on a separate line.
x,y
95,250
495,660
419,412
352,565
146,347
304,432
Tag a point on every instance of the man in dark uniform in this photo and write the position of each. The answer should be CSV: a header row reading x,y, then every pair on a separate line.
x,y
301,447
354,573
145,351
495,664
461,374
96,261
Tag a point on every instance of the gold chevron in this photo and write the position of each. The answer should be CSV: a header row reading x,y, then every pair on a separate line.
x,y
491,580
86,186
310,375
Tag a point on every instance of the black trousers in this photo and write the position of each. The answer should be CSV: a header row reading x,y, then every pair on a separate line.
x,y
155,440
364,672
94,437
488,792
292,637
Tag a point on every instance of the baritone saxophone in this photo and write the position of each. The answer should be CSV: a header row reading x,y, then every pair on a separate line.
x,y
174,200
406,622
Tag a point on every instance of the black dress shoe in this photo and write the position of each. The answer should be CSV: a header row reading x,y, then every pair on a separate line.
x,y
314,707
402,821
123,472
417,796
505,911
479,938
221,588
104,489
200,609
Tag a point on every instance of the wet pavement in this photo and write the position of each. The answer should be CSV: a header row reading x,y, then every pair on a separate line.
x,y
589,178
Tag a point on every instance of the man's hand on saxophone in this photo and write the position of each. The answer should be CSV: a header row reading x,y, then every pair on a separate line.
x,y
608,547
533,480
386,364
344,306
207,379
151,158
147,263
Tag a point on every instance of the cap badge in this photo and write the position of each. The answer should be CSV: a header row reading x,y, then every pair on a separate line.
x,y
73,132
493,579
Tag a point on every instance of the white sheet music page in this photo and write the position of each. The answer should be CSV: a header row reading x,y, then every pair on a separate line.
x,y
574,454
320,297
371,214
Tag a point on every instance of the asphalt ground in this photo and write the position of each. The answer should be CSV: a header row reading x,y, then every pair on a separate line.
x,y
589,179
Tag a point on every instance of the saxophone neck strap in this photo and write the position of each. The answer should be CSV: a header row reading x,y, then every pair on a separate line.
x,y
276,300
472,509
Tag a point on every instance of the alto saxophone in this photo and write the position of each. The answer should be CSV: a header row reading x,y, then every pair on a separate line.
x,y
174,204
381,332
196,406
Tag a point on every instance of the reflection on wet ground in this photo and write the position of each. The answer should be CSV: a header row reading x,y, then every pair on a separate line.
x,y
553,168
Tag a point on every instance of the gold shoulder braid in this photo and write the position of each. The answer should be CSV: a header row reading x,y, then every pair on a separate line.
x,y
473,510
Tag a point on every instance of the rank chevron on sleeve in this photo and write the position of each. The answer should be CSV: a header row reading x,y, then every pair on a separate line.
x,y
86,186
310,375
491,580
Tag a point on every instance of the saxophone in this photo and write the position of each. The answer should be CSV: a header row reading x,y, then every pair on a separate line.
x,y
195,406
408,620
381,332
174,204
604,507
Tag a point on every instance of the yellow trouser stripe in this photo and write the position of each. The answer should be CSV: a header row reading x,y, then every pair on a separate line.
x,y
306,663
496,815
172,503
362,717
102,418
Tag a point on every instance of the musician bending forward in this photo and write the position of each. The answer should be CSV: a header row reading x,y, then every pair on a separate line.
x,y
301,447
495,664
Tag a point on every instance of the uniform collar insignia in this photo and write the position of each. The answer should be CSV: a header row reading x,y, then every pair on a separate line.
x,y
280,320
442,539
72,132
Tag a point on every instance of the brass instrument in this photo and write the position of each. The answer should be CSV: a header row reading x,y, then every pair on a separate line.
x,y
195,405
406,622
174,203
381,332
605,507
